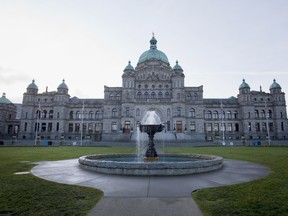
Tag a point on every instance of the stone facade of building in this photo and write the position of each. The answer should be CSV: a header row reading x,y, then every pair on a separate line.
x,y
153,85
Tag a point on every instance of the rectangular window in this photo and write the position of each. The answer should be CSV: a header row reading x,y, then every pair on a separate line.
x,y
222,127
114,126
90,128
216,127
209,127
84,128
127,113
49,126
43,127
97,127
236,127
257,126
77,127
70,127
264,128
192,126
249,126
178,111
229,127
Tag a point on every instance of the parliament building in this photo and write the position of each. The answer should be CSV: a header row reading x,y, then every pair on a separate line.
x,y
153,84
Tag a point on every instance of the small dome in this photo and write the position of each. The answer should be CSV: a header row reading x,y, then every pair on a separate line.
x,y
244,85
177,67
4,100
153,53
63,85
32,85
129,68
275,85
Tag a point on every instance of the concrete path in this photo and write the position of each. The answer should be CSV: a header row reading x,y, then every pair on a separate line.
x,y
148,195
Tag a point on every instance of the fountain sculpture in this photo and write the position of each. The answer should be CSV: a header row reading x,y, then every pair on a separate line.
x,y
151,153
153,163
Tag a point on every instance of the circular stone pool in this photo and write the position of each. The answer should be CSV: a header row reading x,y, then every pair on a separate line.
x,y
168,164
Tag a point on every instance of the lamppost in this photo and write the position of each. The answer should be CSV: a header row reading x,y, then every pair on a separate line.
x,y
267,123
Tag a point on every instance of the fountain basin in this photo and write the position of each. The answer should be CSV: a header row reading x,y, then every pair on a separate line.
x,y
168,165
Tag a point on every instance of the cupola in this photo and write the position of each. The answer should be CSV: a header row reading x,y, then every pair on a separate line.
x,y
32,88
4,100
244,87
129,68
63,88
275,87
153,53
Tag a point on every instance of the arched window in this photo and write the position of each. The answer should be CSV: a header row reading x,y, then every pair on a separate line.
x,y
192,112
195,96
114,112
111,97
153,95
78,115
139,95
71,115
263,114
256,114
189,97
44,114
235,114
215,115
90,115
146,95
97,114
229,115
269,114
209,114
118,97
160,95
167,95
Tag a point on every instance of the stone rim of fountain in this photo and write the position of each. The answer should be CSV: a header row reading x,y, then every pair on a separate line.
x,y
165,168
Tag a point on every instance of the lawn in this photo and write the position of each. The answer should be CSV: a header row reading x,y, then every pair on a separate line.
x,y
268,196
30,195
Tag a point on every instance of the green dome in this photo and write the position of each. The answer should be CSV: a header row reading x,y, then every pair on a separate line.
x,y
153,53
4,100
129,68
177,67
32,85
63,85
275,85
244,85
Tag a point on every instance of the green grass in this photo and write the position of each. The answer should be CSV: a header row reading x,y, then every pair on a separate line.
x,y
30,195
267,196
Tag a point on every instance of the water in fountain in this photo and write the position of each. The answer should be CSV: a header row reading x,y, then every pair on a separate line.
x,y
151,118
140,145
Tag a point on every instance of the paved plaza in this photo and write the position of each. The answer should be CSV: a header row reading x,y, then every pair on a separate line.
x,y
148,195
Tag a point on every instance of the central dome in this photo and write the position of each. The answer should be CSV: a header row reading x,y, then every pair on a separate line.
x,y
153,53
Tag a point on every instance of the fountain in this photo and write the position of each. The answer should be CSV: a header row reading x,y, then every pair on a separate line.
x,y
152,163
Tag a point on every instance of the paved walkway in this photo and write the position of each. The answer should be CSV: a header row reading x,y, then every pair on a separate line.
x,y
148,195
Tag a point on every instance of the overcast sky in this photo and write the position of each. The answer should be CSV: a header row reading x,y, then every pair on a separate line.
x,y
89,43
